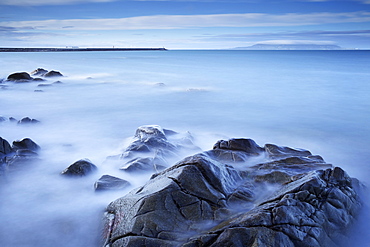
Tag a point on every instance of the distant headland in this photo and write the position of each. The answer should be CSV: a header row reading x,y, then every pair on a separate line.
x,y
77,49
290,47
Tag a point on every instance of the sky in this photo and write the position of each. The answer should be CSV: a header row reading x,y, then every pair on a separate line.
x,y
181,24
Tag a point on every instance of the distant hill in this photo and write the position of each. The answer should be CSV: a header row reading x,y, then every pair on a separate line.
x,y
289,47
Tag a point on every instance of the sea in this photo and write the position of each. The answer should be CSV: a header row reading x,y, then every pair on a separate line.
x,y
315,100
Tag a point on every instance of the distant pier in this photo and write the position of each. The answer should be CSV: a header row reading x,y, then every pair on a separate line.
x,y
77,49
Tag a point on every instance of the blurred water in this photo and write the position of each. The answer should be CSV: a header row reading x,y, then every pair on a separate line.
x,y
315,100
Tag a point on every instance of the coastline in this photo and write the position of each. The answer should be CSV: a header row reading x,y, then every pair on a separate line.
x,y
77,49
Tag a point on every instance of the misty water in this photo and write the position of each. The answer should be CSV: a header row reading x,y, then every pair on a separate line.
x,y
316,100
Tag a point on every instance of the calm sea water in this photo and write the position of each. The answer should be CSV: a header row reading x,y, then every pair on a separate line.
x,y
317,100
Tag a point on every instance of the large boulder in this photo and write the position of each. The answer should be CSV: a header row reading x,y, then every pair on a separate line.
x,y
218,198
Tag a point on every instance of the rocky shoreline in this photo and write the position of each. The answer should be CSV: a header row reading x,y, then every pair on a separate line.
x,y
237,194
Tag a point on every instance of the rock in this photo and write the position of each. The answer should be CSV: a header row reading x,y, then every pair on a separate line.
x,y
145,164
5,148
38,79
44,85
19,77
53,73
152,147
25,144
2,119
21,153
27,120
292,199
80,168
107,182
39,72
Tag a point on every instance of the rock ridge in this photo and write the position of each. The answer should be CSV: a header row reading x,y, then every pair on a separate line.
x,y
218,198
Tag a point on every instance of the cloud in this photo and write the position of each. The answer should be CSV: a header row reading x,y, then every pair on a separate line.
x,y
68,2
49,2
194,21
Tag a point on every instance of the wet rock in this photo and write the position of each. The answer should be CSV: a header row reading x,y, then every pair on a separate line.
x,y
53,73
80,168
19,77
25,144
39,72
107,182
293,198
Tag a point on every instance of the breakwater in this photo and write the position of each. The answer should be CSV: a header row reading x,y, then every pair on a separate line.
x,y
77,49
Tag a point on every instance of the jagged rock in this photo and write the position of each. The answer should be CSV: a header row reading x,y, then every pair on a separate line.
x,y
151,148
39,72
19,77
25,144
80,168
27,120
107,182
292,199
53,73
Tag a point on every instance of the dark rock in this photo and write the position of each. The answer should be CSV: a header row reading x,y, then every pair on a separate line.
x,y
25,144
24,152
45,85
246,145
292,199
27,120
39,72
19,77
107,182
2,119
38,79
80,168
5,148
53,73
12,119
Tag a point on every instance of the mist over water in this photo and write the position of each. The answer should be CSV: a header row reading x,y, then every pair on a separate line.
x,y
315,100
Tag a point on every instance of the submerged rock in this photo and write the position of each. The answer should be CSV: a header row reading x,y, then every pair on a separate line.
x,y
218,198
53,73
27,120
80,168
107,182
